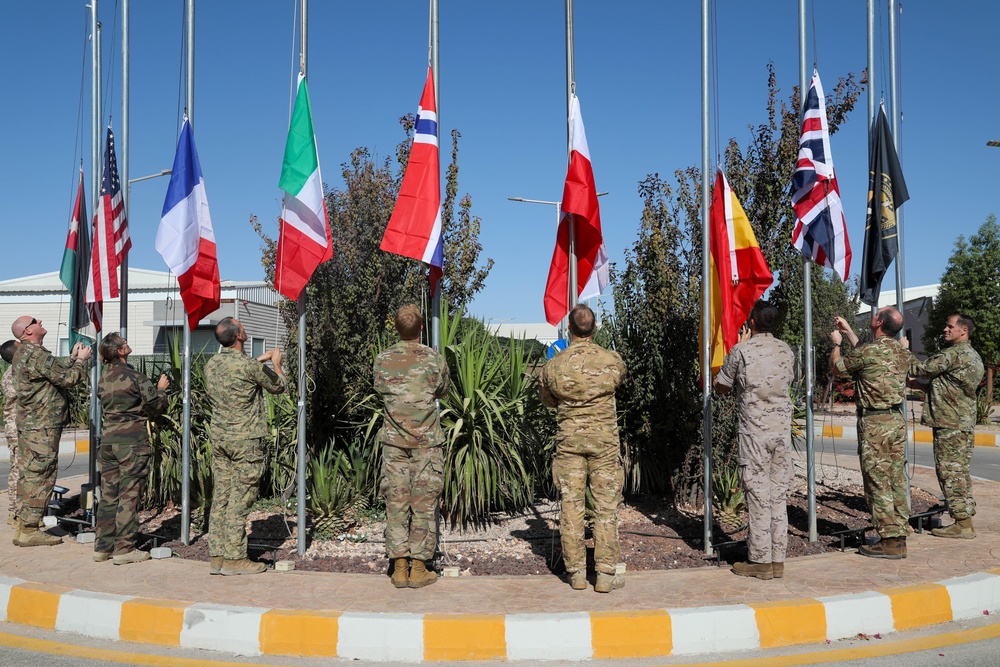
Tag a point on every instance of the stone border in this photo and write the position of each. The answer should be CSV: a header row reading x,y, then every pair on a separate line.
x,y
918,434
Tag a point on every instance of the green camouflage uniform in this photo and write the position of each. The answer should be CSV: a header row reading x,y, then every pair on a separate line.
x,y
580,383
878,370
10,430
236,385
41,381
128,399
410,377
761,369
950,409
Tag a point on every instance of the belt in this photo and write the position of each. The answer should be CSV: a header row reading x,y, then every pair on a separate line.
x,y
894,409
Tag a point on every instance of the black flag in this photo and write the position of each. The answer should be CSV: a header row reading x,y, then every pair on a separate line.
x,y
886,193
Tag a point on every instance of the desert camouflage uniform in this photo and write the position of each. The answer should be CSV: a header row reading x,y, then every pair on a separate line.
x,y
580,383
409,377
762,369
950,409
879,373
10,430
40,380
128,398
235,385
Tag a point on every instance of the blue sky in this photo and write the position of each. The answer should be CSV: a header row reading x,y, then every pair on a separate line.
x,y
503,86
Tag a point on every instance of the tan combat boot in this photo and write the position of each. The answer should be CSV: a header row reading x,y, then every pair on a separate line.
x,y
17,530
215,565
30,536
241,566
400,572
609,582
778,569
751,569
962,529
101,556
134,556
578,581
893,548
420,576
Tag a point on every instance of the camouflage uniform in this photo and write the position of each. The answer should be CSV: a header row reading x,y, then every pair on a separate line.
x,y
878,370
40,380
761,369
950,409
10,430
409,377
238,429
580,383
128,398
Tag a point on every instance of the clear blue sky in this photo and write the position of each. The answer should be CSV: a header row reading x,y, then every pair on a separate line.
x,y
503,86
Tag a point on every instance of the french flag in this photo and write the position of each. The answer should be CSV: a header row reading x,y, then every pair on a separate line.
x,y
580,201
185,238
414,230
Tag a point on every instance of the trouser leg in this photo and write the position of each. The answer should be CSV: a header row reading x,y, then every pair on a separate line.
x,y
606,481
107,509
396,490
952,458
570,473
38,472
133,469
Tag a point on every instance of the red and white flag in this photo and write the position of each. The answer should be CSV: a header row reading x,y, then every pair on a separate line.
x,y
579,201
111,239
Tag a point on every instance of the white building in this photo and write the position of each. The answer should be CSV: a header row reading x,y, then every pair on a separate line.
x,y
155,312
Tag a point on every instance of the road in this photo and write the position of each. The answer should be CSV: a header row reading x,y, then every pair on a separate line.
x,y
69,466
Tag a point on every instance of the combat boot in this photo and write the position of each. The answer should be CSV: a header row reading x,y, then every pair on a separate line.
x,y
215,565
30,536
17,530
609,582
400,572
134,556
578,581
778,569
893,548
420,576
961,529
101,556
751,569
241,566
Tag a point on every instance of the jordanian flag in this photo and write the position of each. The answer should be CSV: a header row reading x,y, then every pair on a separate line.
x,y
304,238
75,269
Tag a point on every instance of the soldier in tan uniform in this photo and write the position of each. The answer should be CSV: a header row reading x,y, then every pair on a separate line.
x,y
236,384
761,368
580,383
878,370
41,381
950,410
410,377
10,425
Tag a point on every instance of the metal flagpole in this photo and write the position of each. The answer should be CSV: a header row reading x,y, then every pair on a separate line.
x,y
900,303
807,299
434,50
706,318
570,91
123,144
95,175
186,363
300,449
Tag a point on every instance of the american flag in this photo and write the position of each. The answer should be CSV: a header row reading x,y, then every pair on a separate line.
x,y
820,232
111,239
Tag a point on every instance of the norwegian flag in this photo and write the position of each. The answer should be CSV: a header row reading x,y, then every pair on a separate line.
x,y
111,239
414,230
820,232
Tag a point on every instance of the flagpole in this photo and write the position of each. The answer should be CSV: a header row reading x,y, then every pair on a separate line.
x,y
434,50
570,91
706,319
807,299
300,448
186,362
94,430
123,317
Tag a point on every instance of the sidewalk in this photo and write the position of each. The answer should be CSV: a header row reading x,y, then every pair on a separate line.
x,y
826,597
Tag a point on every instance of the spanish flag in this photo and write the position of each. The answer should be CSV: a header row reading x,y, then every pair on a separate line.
x,y
737,269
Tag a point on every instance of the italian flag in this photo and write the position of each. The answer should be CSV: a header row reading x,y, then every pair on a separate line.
x,y
304,240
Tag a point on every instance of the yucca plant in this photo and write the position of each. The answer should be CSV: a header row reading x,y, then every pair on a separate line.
x,y
333,499
729,501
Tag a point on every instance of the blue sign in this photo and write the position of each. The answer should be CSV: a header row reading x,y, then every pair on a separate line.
x,y
557,346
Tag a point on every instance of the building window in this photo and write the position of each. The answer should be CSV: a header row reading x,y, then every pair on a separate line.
x,y
257,347
63,347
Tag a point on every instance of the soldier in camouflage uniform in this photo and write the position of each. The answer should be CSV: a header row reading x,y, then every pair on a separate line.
x,y
878,370
235,384
761,368
410,377
10,425
128,399
950,410
41,381
580,383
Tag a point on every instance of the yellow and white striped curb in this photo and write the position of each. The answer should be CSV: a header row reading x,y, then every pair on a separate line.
x,y
920,434
455,637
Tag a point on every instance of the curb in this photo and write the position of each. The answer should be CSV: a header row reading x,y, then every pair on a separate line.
x,y
454,637
66,447
919,434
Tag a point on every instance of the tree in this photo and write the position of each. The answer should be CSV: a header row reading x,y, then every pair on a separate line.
x,y
971,285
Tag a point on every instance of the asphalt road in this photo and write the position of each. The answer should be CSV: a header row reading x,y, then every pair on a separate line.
x,y
69,466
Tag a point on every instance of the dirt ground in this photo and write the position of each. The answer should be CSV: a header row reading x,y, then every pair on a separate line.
x,y
655,535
